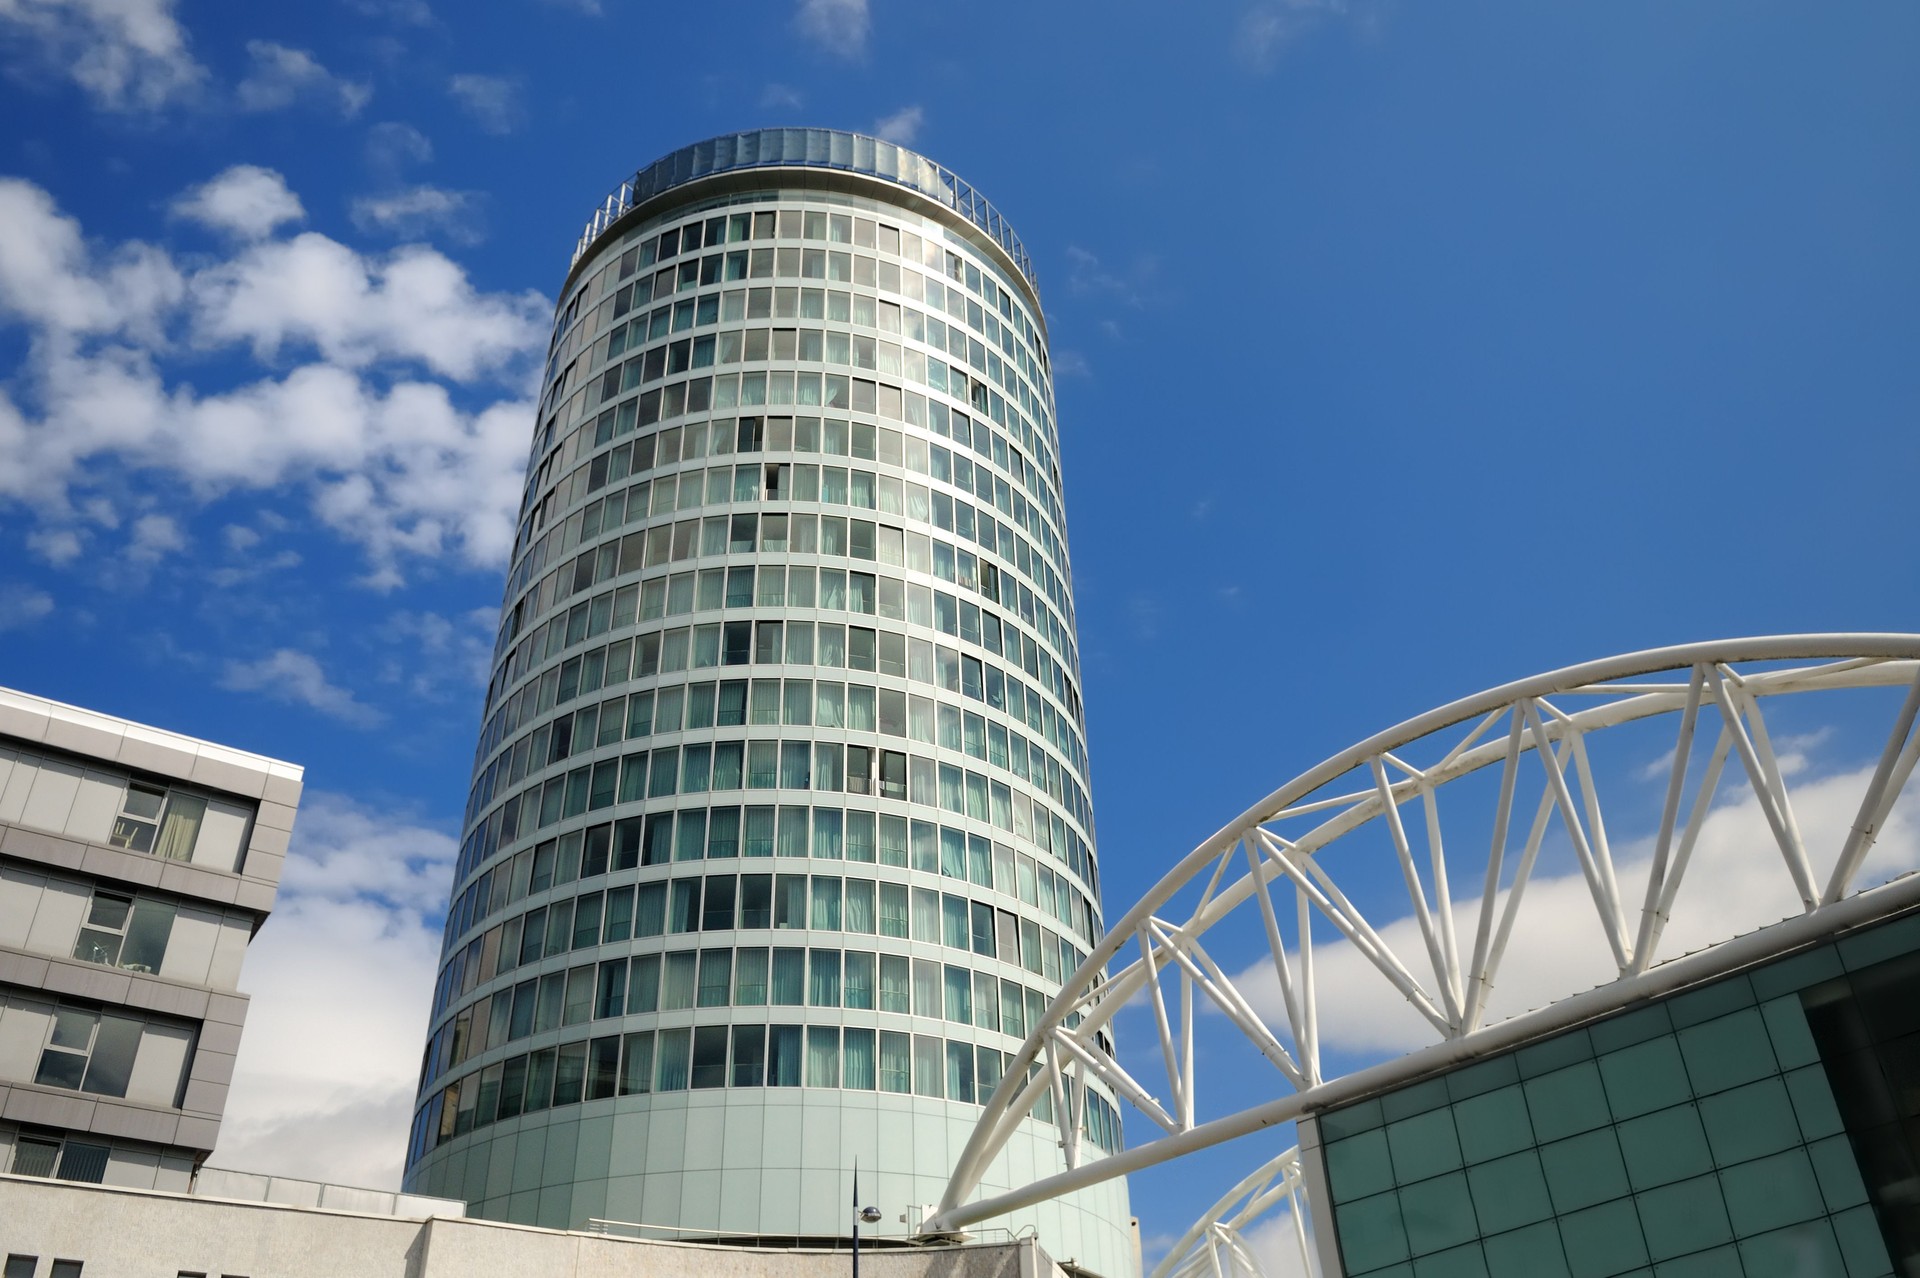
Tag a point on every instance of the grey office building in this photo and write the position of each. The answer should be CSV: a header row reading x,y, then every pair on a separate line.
x,y
779,837
135,866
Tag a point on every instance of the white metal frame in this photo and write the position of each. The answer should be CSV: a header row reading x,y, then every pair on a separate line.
x,y
1535,727
1217,1245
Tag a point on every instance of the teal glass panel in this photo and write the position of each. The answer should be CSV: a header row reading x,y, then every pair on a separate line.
x,y
1359,1166
1417,1099
1533,1252
1461,1262
1727,1052
1566,1101
1645,1077
1603,1241
1710,1002
1371,1235
1682,1218
1838,1172
1796,973
1351,1121
1423,1146
1813,1103
1793,1252
1478,1079
1664,1147
1584,1170
1493,1124
1749,1122
1892,940
1438,1214
1861,1244
1721,1262
1632,1027
1554,1053
1769,1192
1793,1043
1510,1192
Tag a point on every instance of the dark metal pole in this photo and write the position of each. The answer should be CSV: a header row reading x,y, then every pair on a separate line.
x,y
856,1218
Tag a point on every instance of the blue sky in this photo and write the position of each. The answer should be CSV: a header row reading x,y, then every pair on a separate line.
x,y
1403,349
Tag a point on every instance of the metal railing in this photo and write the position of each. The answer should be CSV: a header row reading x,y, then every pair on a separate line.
x,y
807,148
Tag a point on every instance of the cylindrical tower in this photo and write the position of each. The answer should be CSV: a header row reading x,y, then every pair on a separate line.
x,y
779,835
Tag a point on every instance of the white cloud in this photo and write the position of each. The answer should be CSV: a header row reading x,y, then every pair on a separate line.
x,y
783,96
411,306
389,460
416,210
297,678
840,27
392,146
341,976
279,76
902,126
244,200
1735,883
127,55
22,606
1273,1242
1269,27
494,101
154,538
58,546
1068,363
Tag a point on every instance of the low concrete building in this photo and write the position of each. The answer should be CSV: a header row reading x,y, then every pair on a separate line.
x,y
52,1230
135,866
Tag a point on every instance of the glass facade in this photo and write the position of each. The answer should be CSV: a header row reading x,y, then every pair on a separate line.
x,y
1767,1123
779,835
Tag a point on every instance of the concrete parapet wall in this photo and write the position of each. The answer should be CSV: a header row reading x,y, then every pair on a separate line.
x,y
120,1233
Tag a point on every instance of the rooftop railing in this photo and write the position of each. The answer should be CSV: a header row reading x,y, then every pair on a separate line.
x,y
807,148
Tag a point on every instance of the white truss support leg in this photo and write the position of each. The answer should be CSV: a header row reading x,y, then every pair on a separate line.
x,y
1118,1079
1477,982
1669,815
1597,830
1309,1045
1175,1077
1608,910
1443,897
1696,821
1522,875
1889,779
1416,891
1277,947
1339,911
1767,786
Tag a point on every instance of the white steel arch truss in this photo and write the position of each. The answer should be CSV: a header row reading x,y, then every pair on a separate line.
x,y
1534,731
1217,1245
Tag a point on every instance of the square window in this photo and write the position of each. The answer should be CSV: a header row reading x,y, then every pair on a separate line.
x,y
1838,1172
1684,1217
1584,1170
1603,1241
1664,1147
1726,1052
1359,1165
1493,1124
1423,1146
1790,1252
1438,1214
1510,1192
1769,1192
1533,1252
1749,1122
1861,1242
1566,1101
1371,1235
1813,1105
1645,1077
